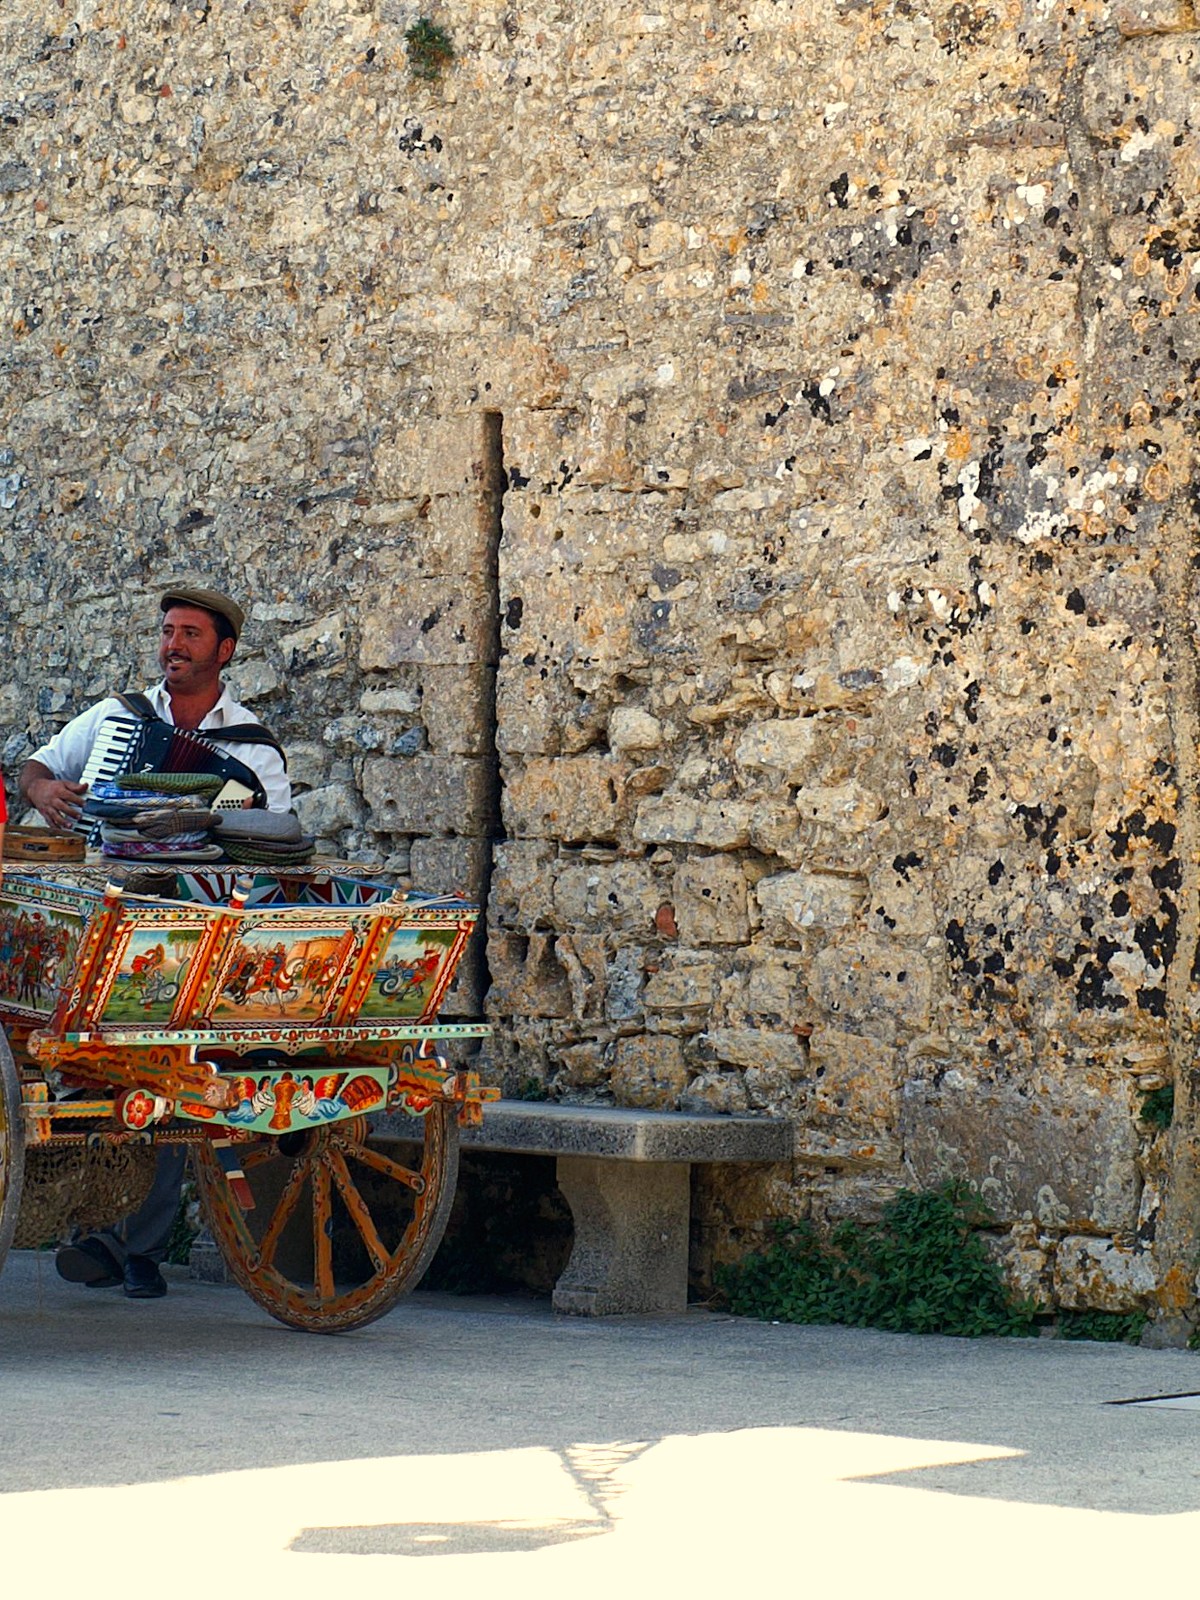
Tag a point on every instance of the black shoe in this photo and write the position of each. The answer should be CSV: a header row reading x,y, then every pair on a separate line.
x,y
143,1280
89,1262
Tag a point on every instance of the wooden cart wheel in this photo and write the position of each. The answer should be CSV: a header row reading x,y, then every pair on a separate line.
x,y
342,1224
12,1146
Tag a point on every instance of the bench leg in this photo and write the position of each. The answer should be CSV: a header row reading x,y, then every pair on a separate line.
x,y
631,1236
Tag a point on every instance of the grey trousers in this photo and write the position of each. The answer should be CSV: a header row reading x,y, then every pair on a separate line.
x,y
147,1230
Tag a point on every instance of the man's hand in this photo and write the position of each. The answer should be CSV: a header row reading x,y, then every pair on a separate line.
x,y
59,800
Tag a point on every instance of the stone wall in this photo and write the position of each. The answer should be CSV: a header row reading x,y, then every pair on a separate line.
x,y
770,430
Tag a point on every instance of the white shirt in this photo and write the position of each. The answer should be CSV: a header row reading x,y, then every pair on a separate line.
x,y
65,756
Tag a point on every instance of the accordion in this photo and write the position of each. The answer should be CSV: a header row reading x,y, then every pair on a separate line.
x,y
127,745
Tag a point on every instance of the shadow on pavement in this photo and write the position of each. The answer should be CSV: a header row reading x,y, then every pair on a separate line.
x,y
97,1390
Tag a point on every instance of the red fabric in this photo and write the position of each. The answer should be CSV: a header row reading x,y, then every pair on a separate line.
x,y
3,805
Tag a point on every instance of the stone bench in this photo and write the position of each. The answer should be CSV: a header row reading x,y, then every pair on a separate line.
x,y
626,1176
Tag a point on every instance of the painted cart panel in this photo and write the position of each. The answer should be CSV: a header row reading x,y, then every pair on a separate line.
x,y
41,927
228,952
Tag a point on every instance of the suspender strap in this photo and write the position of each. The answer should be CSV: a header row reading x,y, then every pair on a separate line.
x,y
139,704
236,733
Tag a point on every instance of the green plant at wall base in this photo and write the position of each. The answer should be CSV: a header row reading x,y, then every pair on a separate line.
x,y
430,50
1158,1107
1103,1327
922,1268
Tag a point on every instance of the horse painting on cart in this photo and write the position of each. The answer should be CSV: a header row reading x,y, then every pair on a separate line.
x,y
37,946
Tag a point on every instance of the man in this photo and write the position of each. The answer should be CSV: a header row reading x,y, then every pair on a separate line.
x,y
200,632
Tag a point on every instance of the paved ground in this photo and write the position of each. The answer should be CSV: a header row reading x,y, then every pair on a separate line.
x,y
486,1446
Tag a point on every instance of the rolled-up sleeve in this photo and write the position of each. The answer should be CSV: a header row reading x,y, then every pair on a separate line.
x,y
65,756
266,762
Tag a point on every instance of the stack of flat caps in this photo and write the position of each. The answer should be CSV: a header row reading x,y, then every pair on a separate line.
x,y
263,838
155,817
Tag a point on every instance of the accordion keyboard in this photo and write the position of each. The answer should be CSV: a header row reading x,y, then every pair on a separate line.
x,y
111,754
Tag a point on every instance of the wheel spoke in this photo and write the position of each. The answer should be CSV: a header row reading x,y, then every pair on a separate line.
x,y
322,1231
385,1164
330,1256
288,1201
357,1208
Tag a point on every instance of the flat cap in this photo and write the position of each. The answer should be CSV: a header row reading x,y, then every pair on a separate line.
x,y
208,600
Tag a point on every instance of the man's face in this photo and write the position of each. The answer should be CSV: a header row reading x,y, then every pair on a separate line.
x,y
189,652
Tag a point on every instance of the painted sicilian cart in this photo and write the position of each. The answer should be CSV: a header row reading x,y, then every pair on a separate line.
x,y
264,1019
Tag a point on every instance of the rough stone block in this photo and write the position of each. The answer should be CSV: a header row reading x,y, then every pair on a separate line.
x,y
622,898
531,711
520,372
574,798
769,984
431,623
709,897
679,819
522,884
1103,1274
551,617
398,700
794,902
1026,1262
528,980
439,456
324,812
872,987
854,1083
251,680
448,537
583,1066
544,445
515,1057
583,958
457,708
309,765
875,1154
319,645
782,748
774,1089
848,807
631,729
427,794
899,900
447,866
757,1047
684,984
626,974
1145,17
1015,1147
648,1071
719,1093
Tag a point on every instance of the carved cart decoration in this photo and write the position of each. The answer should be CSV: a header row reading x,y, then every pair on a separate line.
x,y
263,1019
